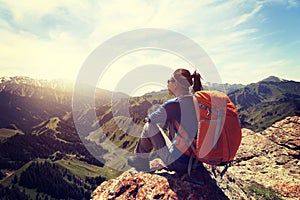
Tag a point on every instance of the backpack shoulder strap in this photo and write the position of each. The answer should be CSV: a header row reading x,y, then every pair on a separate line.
x,y
197,104
226,166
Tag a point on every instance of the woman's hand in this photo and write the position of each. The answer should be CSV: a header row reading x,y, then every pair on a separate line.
x,y
146,120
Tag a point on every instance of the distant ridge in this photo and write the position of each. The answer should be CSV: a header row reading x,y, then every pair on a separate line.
x,y
57,84
14,82
273,79
164,91
261,104
226,87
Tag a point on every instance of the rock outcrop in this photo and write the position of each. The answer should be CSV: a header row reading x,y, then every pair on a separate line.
x,y
266,167
271,158
159,185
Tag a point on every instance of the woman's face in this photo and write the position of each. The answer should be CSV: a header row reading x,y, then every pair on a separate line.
x,y
171,86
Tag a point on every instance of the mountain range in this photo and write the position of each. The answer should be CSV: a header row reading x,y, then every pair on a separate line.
x,y
261,104
37,130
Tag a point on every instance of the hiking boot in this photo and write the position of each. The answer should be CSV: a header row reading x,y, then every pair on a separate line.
x,y
140,164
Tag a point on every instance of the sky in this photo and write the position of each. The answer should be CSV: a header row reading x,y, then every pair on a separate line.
x,y
246,40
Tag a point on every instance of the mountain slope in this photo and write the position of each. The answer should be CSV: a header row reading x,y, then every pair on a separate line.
x,y
26,102
261,104
63,179
228,88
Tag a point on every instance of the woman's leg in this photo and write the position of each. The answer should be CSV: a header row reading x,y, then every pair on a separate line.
x,y
151,138
154,138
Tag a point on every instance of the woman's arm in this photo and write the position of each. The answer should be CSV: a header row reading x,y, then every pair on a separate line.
x,y
164,113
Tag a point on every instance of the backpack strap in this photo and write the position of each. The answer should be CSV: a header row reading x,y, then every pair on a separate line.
x,y
220,113
213,169
226,166
183,142
198,104
190,166
220,122
185,139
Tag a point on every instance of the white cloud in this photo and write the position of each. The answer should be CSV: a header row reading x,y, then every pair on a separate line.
x,y
21,9
39,58
276,64
126,65
245,17
52,38
116,17
287,3
4,24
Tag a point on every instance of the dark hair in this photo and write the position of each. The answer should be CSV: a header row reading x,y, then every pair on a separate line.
x,y
186,79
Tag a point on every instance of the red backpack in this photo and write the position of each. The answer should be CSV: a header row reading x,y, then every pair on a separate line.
x,y
219,132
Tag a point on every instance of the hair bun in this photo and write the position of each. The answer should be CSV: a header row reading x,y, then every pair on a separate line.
x,y
195,75
197,86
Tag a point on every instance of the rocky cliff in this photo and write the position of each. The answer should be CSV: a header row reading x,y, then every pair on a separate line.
x,y
267,167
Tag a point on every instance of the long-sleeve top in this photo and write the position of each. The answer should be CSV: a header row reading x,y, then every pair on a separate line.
x,y
183,111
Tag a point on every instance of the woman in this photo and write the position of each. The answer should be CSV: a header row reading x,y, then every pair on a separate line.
x,y
180,109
